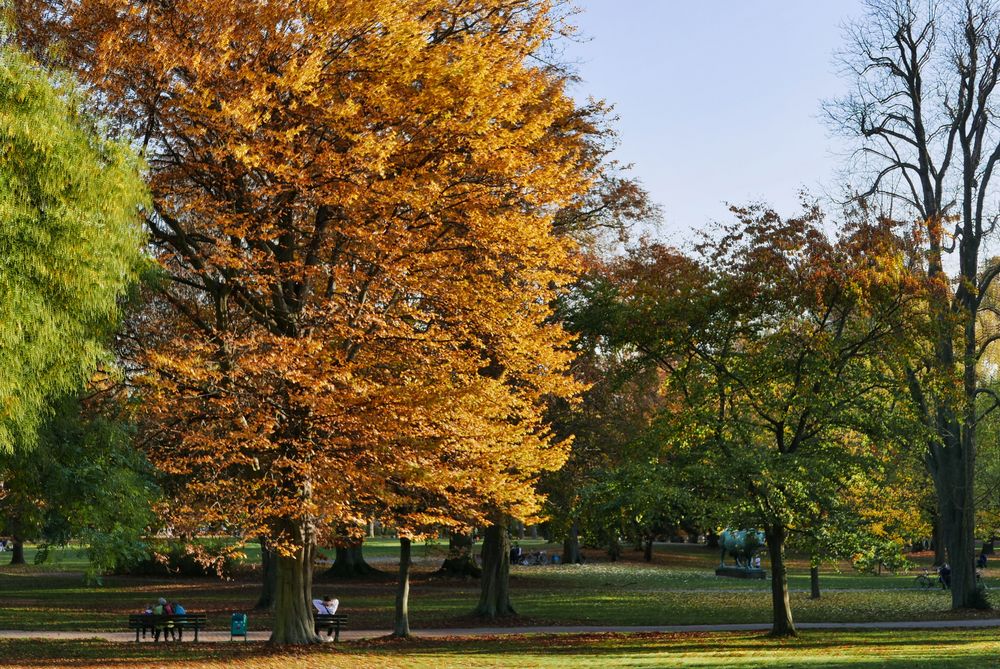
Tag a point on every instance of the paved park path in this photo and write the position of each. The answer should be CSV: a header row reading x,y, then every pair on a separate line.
x,y
215,635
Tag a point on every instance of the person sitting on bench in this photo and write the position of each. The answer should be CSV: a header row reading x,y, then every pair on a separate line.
x,y
327,605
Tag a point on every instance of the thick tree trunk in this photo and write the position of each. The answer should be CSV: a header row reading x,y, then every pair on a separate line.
x,y
781,624
957,506
940,552
647,552
350,563
269,576
571,545
460,561
951,459
614,549
814,581
712,539
494,598
401,621
17,553
293,619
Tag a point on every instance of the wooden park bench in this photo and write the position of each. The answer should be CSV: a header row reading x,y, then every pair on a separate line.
x,y
141,622
331,622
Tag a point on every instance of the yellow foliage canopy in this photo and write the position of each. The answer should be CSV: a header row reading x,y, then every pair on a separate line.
x,y
353,203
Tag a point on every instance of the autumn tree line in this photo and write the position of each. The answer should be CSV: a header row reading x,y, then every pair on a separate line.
x,y
274,269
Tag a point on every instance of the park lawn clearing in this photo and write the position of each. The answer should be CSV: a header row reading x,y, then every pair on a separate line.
x,y
897,648
678,588
30,602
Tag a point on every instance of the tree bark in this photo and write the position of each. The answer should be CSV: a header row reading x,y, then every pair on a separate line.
x,y
494,597
647,553
349,562
614,549
401,621
460,561
17,553
293,619
269,576
814,581
781,624
957,506
571,545
940,552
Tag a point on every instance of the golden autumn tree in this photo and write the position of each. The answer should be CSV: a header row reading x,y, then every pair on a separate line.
x,y
354,210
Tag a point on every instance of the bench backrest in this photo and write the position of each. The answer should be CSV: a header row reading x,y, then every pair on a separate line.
x,y
330,617
148,618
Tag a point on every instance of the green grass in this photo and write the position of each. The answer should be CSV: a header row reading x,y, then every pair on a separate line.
x,y
66,558
679,587
900,649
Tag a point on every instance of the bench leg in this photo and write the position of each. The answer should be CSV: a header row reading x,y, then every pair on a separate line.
x,y
336,636
137,634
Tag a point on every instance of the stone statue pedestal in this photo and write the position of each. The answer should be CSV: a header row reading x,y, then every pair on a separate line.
x,y
740,572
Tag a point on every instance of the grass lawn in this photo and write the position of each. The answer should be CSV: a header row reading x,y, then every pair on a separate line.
x,y
939,648
678,587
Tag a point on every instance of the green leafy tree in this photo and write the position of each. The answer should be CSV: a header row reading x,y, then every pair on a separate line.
x,y
82,481
778,341
69,243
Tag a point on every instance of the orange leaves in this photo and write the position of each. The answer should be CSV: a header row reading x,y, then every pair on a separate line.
x,y
354,204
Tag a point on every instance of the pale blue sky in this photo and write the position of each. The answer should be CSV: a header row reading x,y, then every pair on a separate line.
x,y
719,99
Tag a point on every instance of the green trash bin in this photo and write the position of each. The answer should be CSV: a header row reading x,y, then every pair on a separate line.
x,y
238,626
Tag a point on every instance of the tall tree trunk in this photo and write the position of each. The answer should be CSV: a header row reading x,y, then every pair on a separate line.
x,y
951,458
647,553
957,506
350,563
813,580
460,561
293,618
781,624
17,554
571,545
401,621
494,597
269,575
940,552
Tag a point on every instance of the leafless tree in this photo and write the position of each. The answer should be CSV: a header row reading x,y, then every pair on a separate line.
x,y
924,111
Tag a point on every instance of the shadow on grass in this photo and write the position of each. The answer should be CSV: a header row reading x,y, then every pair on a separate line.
x,y
941,649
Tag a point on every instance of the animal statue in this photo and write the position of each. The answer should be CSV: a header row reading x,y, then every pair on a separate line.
x,y
741,544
